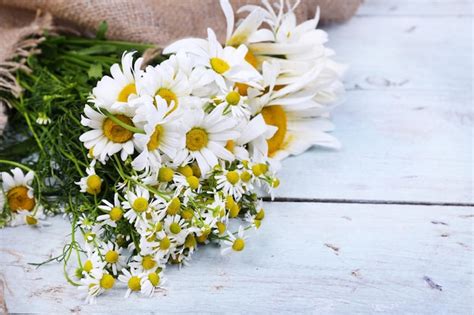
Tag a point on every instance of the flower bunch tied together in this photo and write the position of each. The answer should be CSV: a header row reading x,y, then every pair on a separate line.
x,y
179,151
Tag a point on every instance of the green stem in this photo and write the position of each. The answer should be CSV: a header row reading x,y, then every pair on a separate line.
x,y
121,123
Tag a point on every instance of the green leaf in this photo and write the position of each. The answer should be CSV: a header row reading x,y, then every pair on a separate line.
x,y
101,30
95,71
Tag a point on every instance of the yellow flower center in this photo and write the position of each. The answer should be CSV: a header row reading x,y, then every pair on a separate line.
x,y
275,183
234,210
219,65
196,139
233,177
165,243
107,281
140,204
165,174
260,215
126,92
88,266
111,256
250,58
193,182
173,207
275,116
233,98
238,245
221,227
245,176
31,220
186,170
187,214
242,88
93,184
190,241
169,96
196,169
18,199
155,138
230,145
154,278
229,202
115,214
134,283
148,262
116,133
175,228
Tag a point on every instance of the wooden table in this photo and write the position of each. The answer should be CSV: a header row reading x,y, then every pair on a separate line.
x,y
383,226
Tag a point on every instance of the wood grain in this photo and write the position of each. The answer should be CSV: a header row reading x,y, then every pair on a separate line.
x,y
312,258
406,125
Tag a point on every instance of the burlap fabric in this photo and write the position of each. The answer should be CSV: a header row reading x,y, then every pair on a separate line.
x,y
148,21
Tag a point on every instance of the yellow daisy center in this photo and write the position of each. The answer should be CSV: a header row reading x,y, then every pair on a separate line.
x,y
155,138
250,58
111,256
169,96
233,177
233,98
187,214
245,176
196,139
238,245
134,283
190,241
107,281
116,133
126,92
193,182
140,204
275,116
230,145
115,214
186,170
173,207
154,278
88,266
93,184
165,243
18,199
219,65
165,174
260,215
242,88
221,227
175,228
148,262
31,220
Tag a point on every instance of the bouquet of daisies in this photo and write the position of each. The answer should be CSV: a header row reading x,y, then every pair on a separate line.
x,y
174,155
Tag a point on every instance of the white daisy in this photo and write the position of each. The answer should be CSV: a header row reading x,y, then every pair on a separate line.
x,y
139,204
227,63
151,282
18,190
133,279
24,217
113,258
234,243
95,283
91,183
163,135
115,212
230,183
176,228
107,136
206,137
114,93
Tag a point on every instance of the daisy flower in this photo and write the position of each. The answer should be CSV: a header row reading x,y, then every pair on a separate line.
x,y
162,136
93,262
85,222
114,93
22,217
115,212
234,243
206,137
147,263
91,183
18,190
112,256
176,228
227,63
107,137
230,183
151,282
138,203
133,279
234,103
43,119
96,283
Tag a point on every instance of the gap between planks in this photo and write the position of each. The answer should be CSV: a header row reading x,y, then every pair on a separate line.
x,y
371,202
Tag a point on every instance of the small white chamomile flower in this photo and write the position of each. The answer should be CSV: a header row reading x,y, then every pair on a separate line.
x,y
114,212
150,282
234,243
18,190
132,279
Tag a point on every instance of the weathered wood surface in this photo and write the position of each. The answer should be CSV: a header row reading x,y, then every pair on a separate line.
x,y
406,126
307,257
